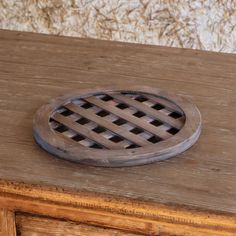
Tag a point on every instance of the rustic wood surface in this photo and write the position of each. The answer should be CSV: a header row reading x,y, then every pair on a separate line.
x,y
39,226
7,223
35,68
112,212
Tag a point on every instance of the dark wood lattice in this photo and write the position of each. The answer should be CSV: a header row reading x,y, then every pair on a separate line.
x,y
111,120
117,121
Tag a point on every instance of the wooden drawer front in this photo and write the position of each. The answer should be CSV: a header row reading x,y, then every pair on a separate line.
x,y
41,226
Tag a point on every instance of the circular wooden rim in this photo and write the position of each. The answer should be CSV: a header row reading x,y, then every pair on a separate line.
x,y
64,148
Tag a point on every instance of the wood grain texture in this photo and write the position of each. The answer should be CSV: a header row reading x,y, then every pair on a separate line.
x,y
40,226
35,68
124,214
7,223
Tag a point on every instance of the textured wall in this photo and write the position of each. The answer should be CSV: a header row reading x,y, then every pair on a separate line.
x,y
199,24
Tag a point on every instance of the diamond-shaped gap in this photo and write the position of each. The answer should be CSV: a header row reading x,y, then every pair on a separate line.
x,y
54,124
154,139
87,105
158,106
122,106
61,128
78,138
103,113
128,94
119,121
106,98
141,98
99,129
173,131
137,130
82,121
96,145
116,139
132,146
66,112
175,115
156,123
139,114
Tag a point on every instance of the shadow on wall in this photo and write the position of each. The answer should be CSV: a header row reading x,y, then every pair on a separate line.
x,y
207,25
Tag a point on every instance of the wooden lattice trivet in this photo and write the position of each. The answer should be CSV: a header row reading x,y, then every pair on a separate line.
x,y
117,127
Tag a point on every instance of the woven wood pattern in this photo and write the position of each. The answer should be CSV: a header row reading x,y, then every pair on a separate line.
x,y
118,120
117,127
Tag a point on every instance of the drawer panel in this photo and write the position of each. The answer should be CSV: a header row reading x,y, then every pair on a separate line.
x,y
28,225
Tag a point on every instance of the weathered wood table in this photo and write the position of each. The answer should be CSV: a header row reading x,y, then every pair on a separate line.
x,y
191,194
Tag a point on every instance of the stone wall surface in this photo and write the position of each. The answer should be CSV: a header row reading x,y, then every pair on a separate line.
x,y
197,24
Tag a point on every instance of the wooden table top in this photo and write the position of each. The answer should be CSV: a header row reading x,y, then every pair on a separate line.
x,y
35,68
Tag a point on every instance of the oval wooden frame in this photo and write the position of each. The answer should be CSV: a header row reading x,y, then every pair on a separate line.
x,y
59,145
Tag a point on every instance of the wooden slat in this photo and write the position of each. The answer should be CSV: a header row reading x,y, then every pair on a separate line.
x,y
31,225
7,223
149,111
119,130
132,119
169,105
83,130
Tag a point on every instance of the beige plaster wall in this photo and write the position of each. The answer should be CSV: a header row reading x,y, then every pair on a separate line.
x,y
197,24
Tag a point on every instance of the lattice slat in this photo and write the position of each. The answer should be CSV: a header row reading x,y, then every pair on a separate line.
x,y
165,103
117,127
149,111
129,117
86,132
119,130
